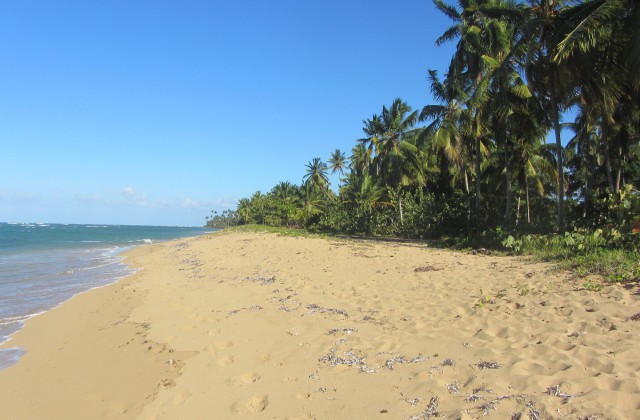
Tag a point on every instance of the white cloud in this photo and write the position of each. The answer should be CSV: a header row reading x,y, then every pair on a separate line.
x,y
92,198
128,191
190,204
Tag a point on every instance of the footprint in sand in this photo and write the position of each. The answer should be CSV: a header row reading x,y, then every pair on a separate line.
x,y
221,361
251,405
245,378
223,344
181,397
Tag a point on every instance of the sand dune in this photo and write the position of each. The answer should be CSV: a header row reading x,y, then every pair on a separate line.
x,y
238,325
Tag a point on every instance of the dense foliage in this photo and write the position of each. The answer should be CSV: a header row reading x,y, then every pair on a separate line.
x,y
476,163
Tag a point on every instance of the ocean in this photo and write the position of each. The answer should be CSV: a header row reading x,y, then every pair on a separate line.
x,y
43,265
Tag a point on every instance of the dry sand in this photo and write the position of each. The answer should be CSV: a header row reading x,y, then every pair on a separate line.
x,y
238,325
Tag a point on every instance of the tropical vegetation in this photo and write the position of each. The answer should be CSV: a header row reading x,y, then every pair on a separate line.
x,y
476,163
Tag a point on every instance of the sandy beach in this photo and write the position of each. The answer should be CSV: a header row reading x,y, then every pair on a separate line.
x,y
256,325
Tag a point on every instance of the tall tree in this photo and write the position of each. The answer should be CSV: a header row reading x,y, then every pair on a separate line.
x,y
392,140
468,68
316,176
337,163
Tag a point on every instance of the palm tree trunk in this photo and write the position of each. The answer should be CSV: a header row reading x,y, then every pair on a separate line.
x,y
620,212
478,179
518,210
619,170
585,204
507,170
466,187
607,159
559,152
528,203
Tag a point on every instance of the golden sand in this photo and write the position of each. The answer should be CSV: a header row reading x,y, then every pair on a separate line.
x,y
249,325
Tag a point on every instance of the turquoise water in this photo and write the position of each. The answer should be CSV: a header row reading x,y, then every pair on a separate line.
x,y
42,265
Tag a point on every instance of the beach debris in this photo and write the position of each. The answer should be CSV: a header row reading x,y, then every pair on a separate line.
x,y
635,317
474,398
286,308
430,411
350,359
448,362
555,391
412,401
369,318
401,359
366,369
576,334
534,414
232,313
426,268
321,389
332,331
167,383
480,251
483,389
492,405
486,407
488,365
196,262
251,308
263,280
315,308
453,388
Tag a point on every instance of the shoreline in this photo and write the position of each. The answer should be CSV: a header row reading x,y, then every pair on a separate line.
x,y
62,261
127,271
238,324
78,355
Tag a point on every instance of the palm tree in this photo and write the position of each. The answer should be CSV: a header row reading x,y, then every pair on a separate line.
x,y
316,176
338,163
287,200
603,25
392,139
360,159
363,195
467,69
539,32
449,130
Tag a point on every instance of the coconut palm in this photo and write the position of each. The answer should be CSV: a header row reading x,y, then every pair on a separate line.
x,y
540,30
448,129
337,162
316,176
468,71
609,26
393,142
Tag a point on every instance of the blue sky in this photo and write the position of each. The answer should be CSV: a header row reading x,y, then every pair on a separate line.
x,y
157,112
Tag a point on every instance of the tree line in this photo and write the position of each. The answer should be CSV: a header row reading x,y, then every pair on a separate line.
x,y
477,159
